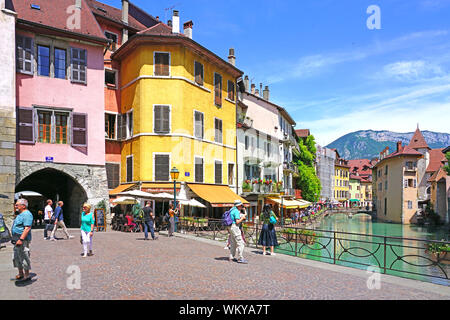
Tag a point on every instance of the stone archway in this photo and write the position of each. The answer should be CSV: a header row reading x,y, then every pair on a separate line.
x,y
57,185
75,183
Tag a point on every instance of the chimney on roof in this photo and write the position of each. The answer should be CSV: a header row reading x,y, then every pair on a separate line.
x,y
253,88
125,10
399,146
157,18
257,93
260,88
232,57
246,83
266,93
176,22
169,23
187,28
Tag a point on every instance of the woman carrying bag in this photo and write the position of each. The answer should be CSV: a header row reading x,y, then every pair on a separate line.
x,y
87,229
268,237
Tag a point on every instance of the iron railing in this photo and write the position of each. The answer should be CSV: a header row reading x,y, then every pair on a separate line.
x,y
404,257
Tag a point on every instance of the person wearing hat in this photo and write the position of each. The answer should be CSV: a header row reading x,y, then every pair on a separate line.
x,y
236,242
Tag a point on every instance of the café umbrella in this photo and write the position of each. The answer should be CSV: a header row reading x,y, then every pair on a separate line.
x,y
125,200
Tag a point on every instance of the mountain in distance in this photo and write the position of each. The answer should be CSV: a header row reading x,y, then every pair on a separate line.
x,y
367,144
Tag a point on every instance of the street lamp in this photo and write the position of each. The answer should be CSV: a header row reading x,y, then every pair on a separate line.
x,y
281,195
174,173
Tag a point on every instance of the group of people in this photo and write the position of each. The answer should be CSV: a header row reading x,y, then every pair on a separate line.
x,y
236,240
21,232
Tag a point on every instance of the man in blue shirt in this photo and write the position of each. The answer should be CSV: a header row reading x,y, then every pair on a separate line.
x,y
236,242
59,222
22,228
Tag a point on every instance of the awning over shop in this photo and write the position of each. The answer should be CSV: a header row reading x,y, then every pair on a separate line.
x,y
354,200
217,196
159,187
291,204
120,189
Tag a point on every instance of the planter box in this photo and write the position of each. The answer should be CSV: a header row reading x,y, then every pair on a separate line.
x,y
442,257
256,188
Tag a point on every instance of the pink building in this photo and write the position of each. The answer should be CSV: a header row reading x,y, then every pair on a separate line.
x,y
60,81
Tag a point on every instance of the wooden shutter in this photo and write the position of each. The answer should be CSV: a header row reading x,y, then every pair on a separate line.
x,y
230,90
218,130
161,167
25,55
217,89
161,64
199,125
113,174
166,119
198,170
157,119
79,129
198,73
130,169
25,122
218,172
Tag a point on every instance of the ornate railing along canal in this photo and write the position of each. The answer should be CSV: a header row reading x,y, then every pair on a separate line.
x,y
426,260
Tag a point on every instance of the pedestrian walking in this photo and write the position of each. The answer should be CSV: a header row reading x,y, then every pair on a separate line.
x,y
59,222
21,238
149,221
87,229
48,214
268,237
172,214
236,242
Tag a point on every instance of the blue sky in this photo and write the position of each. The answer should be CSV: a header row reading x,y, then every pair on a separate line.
x,y
325,66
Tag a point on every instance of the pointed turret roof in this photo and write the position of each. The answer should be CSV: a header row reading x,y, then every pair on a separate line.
x,y
418,141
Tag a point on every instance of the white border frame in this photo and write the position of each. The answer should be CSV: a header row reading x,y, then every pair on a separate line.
x,y
203,75
120,171
116,72
215,130
204,165
214,90
154,166
116,34
116,133
234,175
170,63
170,119
130,135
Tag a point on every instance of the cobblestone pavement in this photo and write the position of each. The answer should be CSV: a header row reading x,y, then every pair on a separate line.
x,y
124,266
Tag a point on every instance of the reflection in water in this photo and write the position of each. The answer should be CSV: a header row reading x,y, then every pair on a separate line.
x,y
405,257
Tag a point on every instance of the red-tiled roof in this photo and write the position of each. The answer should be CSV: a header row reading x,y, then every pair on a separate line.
x,y
436,160
54,14
363,166
114,14
438,175
355,177
404,151
160,28
302,133
418,141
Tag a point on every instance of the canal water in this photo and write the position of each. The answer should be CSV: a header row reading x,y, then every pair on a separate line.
x,y
374,245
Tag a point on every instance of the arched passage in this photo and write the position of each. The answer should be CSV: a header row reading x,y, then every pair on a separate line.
x,y
57,185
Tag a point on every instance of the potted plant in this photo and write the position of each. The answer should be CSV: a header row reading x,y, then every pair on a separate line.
x,y
202,222
246,187
440,252
255,185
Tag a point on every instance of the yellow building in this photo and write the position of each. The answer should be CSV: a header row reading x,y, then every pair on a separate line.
x,y
178,109
341,180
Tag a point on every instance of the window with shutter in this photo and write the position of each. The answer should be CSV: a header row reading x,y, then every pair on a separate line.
x,y
25,125
129,125
43,61
218,172
24,59
161,119
60,63
217,89
218,130
78,65
198,71
230,90
79,130
198,124
162,64
231,174
198,170
113,174
130,169
162,164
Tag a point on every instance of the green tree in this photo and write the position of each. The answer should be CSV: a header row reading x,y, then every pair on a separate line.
x,y
447,167
307,181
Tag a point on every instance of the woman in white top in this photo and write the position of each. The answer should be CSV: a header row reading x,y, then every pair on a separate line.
x,y
48,213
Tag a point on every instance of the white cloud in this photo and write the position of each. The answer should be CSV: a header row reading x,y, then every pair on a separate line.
x,y
410,70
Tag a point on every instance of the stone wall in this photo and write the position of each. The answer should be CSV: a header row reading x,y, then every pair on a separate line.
x,y
92,179
7,112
